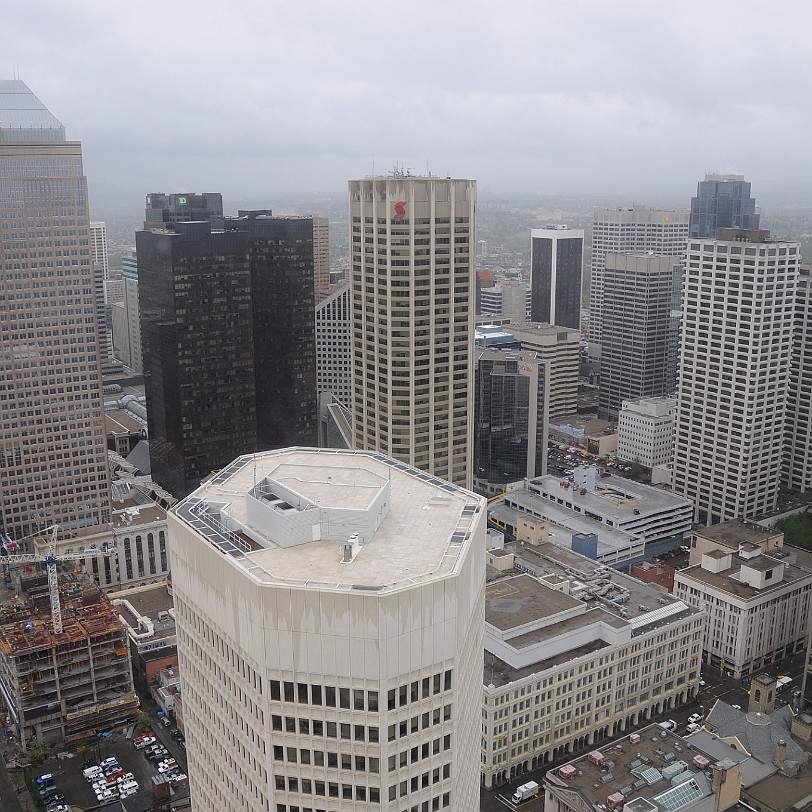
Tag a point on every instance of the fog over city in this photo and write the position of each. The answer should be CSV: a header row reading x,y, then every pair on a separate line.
x,y
582,97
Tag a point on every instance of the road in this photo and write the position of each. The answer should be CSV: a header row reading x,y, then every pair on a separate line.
x,y
500,800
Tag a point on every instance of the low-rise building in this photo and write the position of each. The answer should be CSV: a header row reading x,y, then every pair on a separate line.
x,y
566,528
135,537
734,535
149,616
771,745
575,655
656,517
645,431
649,771
654,573
595,436
757,604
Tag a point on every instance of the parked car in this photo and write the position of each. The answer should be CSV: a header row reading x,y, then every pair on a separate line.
x,y
693,727
695,717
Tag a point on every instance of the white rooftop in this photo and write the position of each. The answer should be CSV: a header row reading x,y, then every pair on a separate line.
x,y
412,526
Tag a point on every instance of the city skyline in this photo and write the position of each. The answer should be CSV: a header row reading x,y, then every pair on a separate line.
x,y
333,112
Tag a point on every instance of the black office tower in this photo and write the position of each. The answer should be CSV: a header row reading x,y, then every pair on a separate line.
x,y
228,341
722,201
556,272
163,211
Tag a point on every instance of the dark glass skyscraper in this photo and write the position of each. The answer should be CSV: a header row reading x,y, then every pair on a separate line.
x,y
556,271
511,409
722,201
228,341
163,211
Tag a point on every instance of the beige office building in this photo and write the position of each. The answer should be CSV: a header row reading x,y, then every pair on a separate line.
x,y
574,654
321,256
756,592
329,609
51,429
412,243
561,346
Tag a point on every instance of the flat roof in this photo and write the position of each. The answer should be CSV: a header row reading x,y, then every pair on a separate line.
x,y
726,582
421,538
614,495
734,533
120,421
591,426
522,599
147,601
564,522
635,770
643,597
514,601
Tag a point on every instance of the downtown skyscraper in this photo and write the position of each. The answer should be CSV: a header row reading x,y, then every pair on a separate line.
x,y
53,453
412,242
722,201
637,298
228,336
556,271
629,231
735,361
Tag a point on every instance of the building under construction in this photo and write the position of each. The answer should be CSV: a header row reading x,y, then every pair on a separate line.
x,y
63,685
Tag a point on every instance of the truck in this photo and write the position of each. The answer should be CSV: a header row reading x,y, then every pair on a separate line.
x,y
525,792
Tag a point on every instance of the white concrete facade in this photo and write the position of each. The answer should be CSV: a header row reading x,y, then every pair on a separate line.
x,y
645,431
333,673
735,356
98,247
412,266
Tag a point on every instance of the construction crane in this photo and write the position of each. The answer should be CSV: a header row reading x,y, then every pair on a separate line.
x,y
49,561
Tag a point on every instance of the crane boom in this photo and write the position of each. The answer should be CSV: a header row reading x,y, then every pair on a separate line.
x,y
49,562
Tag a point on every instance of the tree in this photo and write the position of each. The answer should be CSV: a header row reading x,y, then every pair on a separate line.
x,y
143,722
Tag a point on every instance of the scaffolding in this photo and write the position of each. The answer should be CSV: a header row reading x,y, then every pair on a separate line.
x,y
68,685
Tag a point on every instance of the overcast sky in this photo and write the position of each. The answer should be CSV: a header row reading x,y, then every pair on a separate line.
x,y
261,97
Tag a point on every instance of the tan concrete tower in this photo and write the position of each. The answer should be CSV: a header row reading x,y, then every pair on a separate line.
x,y
52,445
412,243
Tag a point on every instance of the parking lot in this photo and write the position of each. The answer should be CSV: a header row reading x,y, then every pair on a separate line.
x,y
78,792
